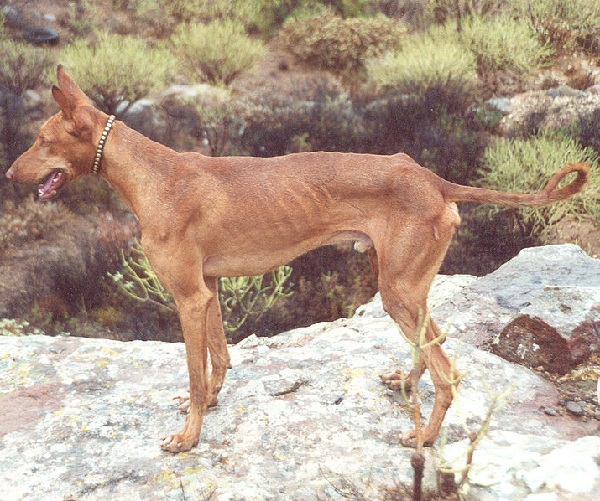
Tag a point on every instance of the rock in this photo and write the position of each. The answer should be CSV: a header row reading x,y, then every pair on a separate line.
x,y
542,308
574,408
501,104
558,330
565,90
12,15
443,289
567,470
539,110
301,416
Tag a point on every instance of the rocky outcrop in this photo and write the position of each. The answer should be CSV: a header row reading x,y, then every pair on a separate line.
x,y
542,308
551,109
302,415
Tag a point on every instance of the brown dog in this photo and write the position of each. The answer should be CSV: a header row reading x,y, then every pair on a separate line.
x,y
202,218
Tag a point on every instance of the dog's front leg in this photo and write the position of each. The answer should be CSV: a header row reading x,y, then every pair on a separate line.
x,y
193,312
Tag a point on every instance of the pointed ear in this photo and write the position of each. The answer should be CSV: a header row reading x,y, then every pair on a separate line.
x,y
71,92
63,102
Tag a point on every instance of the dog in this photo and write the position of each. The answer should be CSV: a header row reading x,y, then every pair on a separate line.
x,y
202,218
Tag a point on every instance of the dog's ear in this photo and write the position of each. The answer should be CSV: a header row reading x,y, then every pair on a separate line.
x,y
72,95
63,102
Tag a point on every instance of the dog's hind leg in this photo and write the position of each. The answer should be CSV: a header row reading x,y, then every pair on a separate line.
x,y
407,265
217,343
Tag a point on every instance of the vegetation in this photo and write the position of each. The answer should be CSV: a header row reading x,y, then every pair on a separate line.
x,y
503,46
435,58
23,66
29,221
243,299
215,53
526,165
378,76
329,41
565,26
219,117
109,71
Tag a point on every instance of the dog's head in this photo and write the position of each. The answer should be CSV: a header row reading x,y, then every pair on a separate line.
x,y
66,145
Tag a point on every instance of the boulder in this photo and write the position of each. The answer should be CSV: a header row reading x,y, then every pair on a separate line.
x,y
557,331
302,415
552,109
541,308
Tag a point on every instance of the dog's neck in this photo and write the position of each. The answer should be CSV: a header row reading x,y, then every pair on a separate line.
x,y
130,163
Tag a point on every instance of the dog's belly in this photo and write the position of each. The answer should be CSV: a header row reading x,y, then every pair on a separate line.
x,y
251,260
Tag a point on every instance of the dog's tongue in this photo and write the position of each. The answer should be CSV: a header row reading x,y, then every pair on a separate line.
x,y
47,189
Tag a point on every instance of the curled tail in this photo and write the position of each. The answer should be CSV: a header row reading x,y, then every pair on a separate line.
x,y
550,194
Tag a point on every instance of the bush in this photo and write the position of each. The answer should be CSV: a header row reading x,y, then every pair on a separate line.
x,y
433,59
504,48
29,221
23,66
162,17
444,11
525,166
564,25
244,300
215,53
115,71
317,114
328,41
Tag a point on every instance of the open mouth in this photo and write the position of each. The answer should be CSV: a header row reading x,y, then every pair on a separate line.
x,y
52,185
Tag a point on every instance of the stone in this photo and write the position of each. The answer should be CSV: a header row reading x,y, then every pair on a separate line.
x,y
558,330
501,104
574,408
540,110
302,415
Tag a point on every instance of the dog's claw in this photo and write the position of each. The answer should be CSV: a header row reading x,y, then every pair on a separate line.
x,y
177,443
185,402
396,380
409,439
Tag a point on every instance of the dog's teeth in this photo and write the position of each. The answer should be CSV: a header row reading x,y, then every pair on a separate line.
x,y
53,192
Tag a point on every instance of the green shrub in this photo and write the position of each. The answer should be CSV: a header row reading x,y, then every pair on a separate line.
x,y
244,300
164,16
525,166
564,25
215,53
23,66
115,71
328,41
459,11
218,118
273,13
504,47
432,59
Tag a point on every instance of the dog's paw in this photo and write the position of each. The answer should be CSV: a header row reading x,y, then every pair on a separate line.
x,y
409,439
177,443
396,380
184,402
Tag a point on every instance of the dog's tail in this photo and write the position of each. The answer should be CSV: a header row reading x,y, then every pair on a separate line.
x,y
458,193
